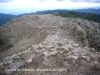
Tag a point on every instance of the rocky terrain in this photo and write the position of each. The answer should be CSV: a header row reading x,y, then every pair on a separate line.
x,y
65,46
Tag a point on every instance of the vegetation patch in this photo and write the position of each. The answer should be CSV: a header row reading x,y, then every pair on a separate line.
x,y
92,50
88,16
81,35
60,49
4,43
59,44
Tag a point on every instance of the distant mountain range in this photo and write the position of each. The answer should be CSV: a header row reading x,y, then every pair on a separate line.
x,y
7,17
81,12
95,11
85,11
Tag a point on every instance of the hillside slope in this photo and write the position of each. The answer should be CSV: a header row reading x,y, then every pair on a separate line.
x,y
54,42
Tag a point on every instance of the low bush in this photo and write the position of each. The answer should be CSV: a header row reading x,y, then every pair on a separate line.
x,y
81,36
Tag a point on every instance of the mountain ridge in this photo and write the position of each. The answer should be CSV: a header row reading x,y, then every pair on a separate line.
x,y
7,17
51,41
90,10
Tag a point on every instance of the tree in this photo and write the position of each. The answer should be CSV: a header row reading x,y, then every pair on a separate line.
x,y
91,16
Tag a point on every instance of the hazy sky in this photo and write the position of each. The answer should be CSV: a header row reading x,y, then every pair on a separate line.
x,y
26,6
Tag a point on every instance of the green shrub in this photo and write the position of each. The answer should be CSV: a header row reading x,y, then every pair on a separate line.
x,y
10,45
81,35
1,42
92,50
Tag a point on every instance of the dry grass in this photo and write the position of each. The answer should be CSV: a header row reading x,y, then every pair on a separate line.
x,y
24,32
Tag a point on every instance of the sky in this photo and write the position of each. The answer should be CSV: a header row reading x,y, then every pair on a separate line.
x,y
28,6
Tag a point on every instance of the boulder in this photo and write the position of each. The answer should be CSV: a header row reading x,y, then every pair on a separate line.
x,y
65,63
13,67
47,62
86,43
9,72
47,54
56,13
30,59
37,59
16,65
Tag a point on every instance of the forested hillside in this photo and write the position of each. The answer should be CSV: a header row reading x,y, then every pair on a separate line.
x,y
5,18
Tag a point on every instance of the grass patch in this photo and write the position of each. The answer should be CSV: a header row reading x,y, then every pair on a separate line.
x,y
70,49
74,21
60,49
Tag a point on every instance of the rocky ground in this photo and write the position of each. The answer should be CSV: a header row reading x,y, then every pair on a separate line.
x,y
54,52
61,52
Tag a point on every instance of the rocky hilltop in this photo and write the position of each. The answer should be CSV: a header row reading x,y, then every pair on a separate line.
x,y
50,45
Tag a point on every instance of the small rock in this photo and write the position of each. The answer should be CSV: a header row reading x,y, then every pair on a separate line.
x,y
98,53
71,42
9,72
40,45
30,59
47,54
70,46
52,53
95,62
19,53
26,51
76,64
65,63
7,60
84,57
14,55
1,64
56,74
61,52
47,62
88,59
65,47
97,65
86,43
76,45
34,47
86,47
74,57
49,46
29,49
37,59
